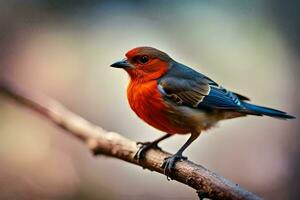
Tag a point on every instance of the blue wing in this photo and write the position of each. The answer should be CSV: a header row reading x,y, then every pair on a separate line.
x,y
186,86
221,98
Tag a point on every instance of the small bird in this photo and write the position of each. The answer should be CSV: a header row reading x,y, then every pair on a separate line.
x,y
176,99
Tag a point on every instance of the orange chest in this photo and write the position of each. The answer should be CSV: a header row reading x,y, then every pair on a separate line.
x,y
146,101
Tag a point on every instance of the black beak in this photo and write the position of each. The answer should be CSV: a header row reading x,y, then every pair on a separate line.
x,y
121,64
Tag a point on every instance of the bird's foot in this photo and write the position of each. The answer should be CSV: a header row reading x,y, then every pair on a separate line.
x,y
169,164
143,147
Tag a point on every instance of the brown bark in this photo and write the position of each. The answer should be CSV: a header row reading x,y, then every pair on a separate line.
x,y
99,141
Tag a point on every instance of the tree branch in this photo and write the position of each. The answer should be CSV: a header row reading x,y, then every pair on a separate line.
x,y
206,183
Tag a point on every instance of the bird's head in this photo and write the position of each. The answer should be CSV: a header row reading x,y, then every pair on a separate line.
x,y
144,63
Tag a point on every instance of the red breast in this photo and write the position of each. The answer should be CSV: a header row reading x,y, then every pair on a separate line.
x,y
146,101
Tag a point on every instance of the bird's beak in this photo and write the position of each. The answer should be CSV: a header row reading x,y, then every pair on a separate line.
x,y
122,64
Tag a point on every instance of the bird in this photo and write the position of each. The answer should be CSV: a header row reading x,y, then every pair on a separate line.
x,y
177,99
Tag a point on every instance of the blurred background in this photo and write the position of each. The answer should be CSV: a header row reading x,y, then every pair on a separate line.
x,y
64,48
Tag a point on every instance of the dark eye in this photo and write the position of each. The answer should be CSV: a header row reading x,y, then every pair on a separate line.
x,y
144,59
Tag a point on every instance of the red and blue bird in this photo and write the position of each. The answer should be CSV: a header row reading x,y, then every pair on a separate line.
x,y
176,99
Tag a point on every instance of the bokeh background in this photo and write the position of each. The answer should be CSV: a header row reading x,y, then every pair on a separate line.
x,y
64,48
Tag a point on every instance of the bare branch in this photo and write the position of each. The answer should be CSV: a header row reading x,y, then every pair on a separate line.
x,y
99,141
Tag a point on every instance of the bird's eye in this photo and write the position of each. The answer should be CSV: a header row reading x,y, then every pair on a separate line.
x,y
143,59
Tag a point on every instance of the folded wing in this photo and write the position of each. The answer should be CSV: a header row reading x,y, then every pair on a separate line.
x,y
187,87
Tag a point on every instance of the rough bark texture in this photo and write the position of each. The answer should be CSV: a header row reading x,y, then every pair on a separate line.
x,y
206,183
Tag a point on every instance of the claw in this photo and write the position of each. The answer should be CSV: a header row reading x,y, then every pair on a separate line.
x,y
169,164
144,146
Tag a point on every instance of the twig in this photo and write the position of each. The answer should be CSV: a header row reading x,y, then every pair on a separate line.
x,y
206,183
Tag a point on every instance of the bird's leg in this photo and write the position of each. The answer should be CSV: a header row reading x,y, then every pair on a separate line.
x,y
144,146
169,162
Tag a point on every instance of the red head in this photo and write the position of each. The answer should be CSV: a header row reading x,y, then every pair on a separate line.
x,y
145,63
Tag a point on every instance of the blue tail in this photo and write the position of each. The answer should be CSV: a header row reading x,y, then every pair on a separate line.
x,y
259,110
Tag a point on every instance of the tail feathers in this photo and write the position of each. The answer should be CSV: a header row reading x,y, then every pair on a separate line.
x,y
260,110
